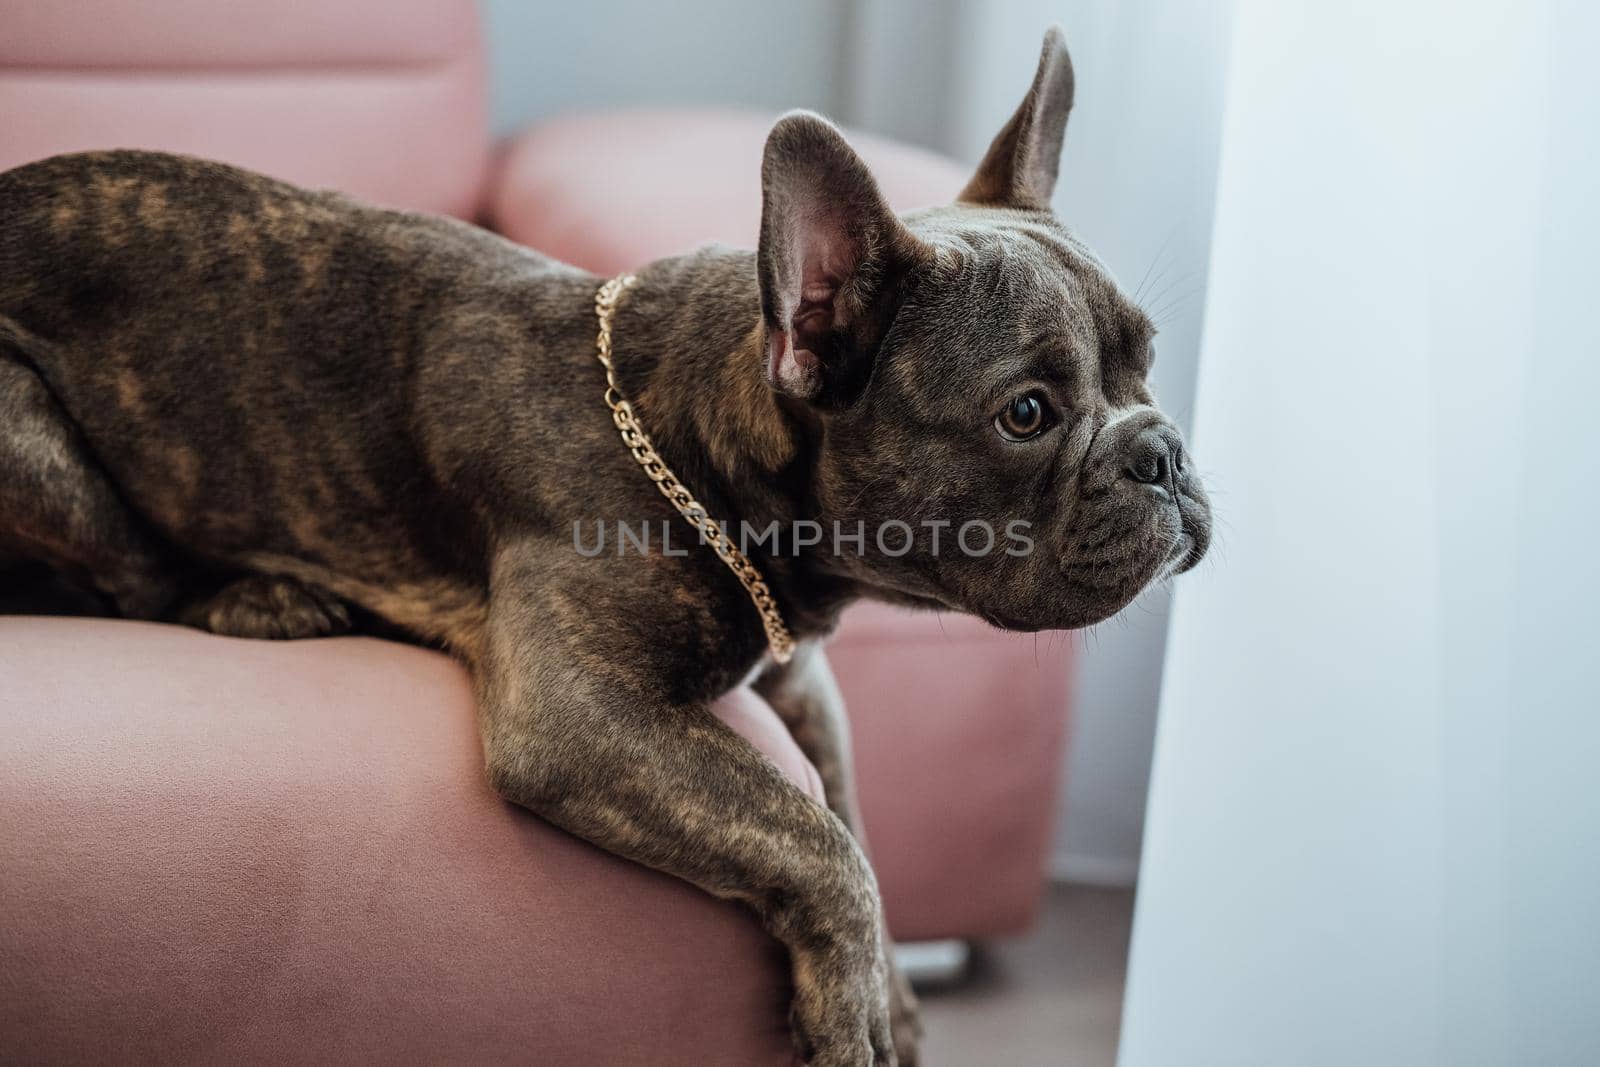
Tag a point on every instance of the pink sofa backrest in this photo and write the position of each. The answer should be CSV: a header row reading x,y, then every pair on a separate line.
x,y
384,99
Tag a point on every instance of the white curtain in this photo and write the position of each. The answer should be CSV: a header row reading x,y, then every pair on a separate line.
x,y
1374,825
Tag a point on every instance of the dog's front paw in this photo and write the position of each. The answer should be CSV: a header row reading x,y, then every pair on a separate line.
x,y
268,606
905,1020
841,1019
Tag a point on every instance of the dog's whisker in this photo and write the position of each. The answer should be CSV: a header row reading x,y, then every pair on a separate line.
x,y
1162,315
1160,251
1157,300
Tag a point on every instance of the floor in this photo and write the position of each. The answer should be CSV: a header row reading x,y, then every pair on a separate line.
x,y
1052,999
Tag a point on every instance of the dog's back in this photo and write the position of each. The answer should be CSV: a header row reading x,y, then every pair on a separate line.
x,y
220,290
240,356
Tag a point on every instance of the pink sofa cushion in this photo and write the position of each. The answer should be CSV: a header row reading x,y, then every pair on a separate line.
x,y
204,33
384,99
216,850
958,730
614,191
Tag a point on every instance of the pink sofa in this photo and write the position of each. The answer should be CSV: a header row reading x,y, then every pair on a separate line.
x,y
222,850
226,851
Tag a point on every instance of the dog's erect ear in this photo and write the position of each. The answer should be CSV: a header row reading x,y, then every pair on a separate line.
x,y
831,258
1021,165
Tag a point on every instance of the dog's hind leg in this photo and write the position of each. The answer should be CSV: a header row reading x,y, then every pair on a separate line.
x,y
57,507
268,606
56,504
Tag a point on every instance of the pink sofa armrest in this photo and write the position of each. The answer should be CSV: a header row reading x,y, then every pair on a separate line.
x,y
610,192
216,850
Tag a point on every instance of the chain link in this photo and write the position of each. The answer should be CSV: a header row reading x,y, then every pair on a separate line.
x,y
638,443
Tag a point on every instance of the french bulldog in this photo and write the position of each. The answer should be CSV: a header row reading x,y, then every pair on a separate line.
x,y
278,413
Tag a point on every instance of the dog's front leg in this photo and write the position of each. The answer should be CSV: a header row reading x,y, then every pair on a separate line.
x,y
576,731
805,695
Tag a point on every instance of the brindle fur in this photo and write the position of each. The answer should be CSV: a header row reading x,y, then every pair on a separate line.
x,y
272,412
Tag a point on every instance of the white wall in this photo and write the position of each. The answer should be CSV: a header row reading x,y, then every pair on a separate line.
x,y
549,58
1374,835
1137,183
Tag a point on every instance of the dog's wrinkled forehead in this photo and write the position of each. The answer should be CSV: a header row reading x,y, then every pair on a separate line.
x,y
1013,297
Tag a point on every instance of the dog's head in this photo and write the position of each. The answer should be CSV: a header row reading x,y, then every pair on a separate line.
x,y
976,379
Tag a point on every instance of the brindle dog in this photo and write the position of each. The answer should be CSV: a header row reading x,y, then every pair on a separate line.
x,y
266,412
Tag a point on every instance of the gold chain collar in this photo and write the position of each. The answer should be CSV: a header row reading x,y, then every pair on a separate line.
x,y
779,639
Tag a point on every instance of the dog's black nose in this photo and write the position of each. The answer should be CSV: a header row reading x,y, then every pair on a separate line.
x,y
1155,457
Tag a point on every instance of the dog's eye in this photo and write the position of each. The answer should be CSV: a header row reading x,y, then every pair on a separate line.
x,y
1025,417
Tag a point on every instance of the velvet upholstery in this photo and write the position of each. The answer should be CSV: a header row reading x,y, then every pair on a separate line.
x,y
224,851
384,99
